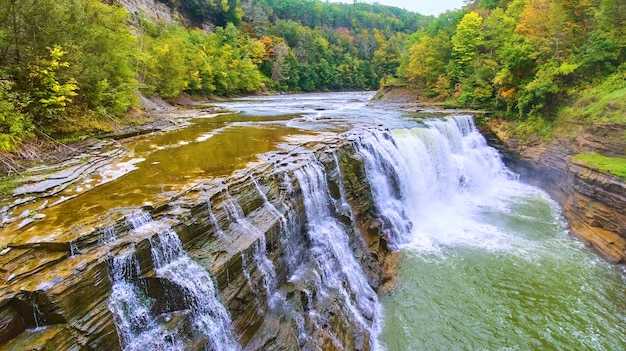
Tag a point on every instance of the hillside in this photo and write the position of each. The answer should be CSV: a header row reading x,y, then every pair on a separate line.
x,y
74,67
539,64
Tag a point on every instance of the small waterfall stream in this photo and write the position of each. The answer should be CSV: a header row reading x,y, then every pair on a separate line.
x,y
138,326
241,223
333,258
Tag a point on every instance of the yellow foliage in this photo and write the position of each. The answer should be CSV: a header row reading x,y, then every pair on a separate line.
x,y
163,50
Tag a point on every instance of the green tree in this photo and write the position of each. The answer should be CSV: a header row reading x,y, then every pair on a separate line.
x,y
102,51
388,57
15,126
52,94
427,59
165,63
466,40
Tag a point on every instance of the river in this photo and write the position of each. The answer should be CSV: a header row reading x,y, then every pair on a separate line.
x,y
486,261
487,265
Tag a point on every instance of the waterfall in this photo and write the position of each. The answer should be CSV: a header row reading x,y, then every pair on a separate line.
x,y
213,219
129,305
259,247
260,255
414,171
210,316
385,168
107,236
409,171
343,205
336,270
139,219
139,327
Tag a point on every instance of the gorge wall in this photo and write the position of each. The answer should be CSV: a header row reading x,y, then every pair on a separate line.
x,y
284,255
593,202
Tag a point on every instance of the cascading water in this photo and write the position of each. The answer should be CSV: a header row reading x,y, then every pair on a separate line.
x,y
108,236
210,316
130,306
138,326
336,269
413,170
488,263
259,254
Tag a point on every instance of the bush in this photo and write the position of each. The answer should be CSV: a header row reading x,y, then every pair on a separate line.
x,y
15,126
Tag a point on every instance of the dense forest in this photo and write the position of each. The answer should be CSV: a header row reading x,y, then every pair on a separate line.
x,y
529,60
69,67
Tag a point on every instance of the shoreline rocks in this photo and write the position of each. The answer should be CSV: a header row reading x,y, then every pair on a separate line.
x,y
593,202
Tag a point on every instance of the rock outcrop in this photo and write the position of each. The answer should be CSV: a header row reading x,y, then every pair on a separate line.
x,y
593,202
248,231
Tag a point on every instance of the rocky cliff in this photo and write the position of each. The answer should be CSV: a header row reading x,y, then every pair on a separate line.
x,y
593,201
257,238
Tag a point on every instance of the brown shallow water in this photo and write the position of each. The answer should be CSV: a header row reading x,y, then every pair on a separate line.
x,y
149,169
160,164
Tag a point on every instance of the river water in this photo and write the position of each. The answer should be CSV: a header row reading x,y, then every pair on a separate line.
x,y
490,266
487,261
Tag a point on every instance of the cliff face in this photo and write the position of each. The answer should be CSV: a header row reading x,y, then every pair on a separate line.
x,y
124,277
593,202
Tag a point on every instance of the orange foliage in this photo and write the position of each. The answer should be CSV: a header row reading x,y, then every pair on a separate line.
x,y
269,48
506,94
344,33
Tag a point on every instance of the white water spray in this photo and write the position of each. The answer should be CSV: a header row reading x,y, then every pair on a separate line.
x,y
426,175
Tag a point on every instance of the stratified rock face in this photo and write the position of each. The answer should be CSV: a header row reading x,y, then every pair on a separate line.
x,y
593,202
286,255
596,210
155,11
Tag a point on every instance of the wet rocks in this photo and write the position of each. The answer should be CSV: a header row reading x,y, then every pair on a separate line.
x,y
247,231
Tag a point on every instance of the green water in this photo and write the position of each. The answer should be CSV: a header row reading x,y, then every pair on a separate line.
x,y
516,282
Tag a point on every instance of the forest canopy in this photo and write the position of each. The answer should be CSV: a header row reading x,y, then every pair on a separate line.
x,y
524,58
70,67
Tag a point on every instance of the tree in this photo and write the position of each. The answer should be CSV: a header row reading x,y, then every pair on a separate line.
x,y
543,23
466,40
15,126
427,59
279,67
52,94
103,54
165,62
388,57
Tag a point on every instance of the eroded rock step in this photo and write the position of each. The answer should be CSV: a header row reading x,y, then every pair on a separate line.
x,y
248,231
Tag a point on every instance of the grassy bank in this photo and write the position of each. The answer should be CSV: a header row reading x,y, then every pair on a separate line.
x,y
612,165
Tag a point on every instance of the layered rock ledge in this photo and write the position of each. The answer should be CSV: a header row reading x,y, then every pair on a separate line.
x,y
593,202
55,292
